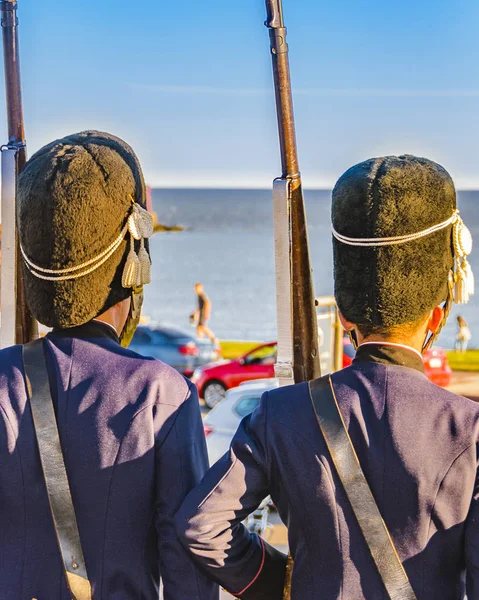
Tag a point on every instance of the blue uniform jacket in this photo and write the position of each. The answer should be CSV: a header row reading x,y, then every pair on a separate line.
x,y
418,446
133,442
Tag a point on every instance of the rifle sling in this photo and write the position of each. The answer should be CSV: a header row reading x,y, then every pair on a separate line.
x,y
358,491
53,465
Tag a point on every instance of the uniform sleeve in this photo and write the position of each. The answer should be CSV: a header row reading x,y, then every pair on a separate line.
x,y
181,462
472,543
209,522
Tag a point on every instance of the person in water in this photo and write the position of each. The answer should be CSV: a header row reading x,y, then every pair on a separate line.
x,y
130,427
398,239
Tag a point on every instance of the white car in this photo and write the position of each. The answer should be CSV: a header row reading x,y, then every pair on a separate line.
x,y
222,421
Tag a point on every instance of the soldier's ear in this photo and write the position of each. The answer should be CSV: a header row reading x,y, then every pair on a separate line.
x,y
347,325
435,319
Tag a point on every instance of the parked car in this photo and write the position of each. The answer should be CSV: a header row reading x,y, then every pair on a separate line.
x,y
436,366
173,346
348,352
221,423
213,380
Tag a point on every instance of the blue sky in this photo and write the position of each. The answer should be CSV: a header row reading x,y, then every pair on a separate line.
x,y
189,85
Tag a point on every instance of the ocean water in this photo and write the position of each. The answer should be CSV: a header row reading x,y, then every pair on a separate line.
x,y
228,246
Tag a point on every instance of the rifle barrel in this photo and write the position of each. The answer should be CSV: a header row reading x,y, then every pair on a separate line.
x,y
305,322
25,324
283,90
16,131
305,329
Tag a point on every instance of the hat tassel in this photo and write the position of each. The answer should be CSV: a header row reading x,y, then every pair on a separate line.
x,y
463,275
137,271
132,270
469,278
145,263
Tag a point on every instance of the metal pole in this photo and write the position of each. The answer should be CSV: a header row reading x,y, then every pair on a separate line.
x,y
306,364
8,278
25,326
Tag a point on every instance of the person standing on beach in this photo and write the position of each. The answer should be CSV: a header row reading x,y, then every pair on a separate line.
x,y
397,239
202,314
463,334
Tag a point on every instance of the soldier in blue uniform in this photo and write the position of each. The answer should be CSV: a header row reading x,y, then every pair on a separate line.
x,y
400,256
130,426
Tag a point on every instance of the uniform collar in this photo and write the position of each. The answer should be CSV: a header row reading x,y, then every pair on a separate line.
x,y
390,354
91,330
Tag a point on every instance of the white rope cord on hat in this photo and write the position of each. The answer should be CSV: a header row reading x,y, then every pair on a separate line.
x,y
71,272
462,274
396,240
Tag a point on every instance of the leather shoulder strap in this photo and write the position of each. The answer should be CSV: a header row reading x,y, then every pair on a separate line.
x,y
358,491
53,465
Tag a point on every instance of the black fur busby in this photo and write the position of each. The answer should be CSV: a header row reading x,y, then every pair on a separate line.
x,y
74,199
382,198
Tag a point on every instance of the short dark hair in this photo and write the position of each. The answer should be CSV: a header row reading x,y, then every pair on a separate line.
x,y
394,331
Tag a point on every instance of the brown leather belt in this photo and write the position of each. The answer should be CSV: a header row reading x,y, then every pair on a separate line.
x,y
358,491
53,465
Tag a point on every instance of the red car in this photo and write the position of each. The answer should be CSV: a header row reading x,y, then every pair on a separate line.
x,y
436,367
214,379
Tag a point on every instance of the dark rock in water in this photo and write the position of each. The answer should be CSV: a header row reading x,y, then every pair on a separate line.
x,y
160,228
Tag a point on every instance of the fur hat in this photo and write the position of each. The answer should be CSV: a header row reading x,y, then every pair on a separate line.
x,y
75,196
384,286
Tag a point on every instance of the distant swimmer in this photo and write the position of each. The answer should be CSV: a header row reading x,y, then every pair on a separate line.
x,y
463,336
202,314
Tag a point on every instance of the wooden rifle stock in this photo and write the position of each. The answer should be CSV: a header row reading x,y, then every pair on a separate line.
x,y
26,329
306,364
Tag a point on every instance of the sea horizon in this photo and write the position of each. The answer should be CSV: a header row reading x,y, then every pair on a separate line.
x,y
262,189
228,245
